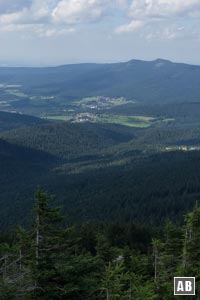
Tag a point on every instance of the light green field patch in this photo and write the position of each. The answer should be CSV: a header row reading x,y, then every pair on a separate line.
x,y
98,100
130,121
13,85
58,118
86,100
16,93
121,101
42,98
144,118
4,85
168,120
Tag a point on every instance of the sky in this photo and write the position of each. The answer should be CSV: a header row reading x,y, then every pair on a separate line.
x,y
56,32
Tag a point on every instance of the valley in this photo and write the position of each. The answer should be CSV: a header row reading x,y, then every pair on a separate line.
x,y
99,172
92,109
109,154
121,164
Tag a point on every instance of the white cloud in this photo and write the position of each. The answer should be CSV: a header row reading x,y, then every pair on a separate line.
x,y
62,16
154,12
163,31
38,12
78,11
57,11
122,3
37,30
132,26
9,6
164,8
51,32
15,27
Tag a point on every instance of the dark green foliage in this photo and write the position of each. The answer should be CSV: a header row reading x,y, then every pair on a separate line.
x,y
97,177
182,115
21,168
67,140
10,121
47,246
191,253
100,172
48,261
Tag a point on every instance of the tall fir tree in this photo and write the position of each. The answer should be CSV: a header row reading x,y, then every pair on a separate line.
x,y
47,248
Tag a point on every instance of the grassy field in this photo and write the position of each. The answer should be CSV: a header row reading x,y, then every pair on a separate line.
x,y
111,101
85,100
131,121
4,85
41,97
16,93
58,118
168,120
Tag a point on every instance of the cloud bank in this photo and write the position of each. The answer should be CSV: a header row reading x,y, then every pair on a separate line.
x,y
51,17
165,8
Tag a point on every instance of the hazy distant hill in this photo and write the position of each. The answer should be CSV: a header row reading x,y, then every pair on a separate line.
x,y
158,81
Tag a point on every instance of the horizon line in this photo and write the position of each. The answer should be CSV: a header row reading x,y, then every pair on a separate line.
x,y
17,65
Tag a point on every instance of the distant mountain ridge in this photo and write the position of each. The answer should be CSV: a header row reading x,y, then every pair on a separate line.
x,y
158,81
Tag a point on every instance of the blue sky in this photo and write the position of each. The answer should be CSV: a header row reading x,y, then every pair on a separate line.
x,y
54,32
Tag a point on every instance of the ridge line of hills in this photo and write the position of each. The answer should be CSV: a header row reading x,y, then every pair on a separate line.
x,y
156,60
158,81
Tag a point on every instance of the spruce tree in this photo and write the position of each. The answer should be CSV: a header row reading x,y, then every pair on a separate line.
x,y
47,247
191,248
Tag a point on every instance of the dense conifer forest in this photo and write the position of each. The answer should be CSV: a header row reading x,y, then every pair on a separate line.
x,y
99,172
96,261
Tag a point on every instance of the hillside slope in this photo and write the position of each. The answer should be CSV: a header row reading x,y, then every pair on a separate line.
x,y
68,140
22,171
10,121
158,81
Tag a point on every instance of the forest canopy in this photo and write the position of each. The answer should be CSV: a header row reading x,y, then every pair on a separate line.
x,y
107,261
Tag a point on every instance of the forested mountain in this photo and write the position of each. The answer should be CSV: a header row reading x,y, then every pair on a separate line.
x,y
158,81
12,120
69,140
72,140
22,170
182,114
100,172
